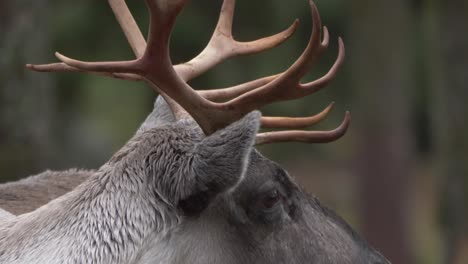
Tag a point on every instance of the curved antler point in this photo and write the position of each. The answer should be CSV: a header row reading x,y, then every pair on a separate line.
x,y
60,56
292,28
296,22
347,119
325,38
341,42
341,50
314,8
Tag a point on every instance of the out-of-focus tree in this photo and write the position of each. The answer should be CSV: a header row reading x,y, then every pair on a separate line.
x,y
447,60
26,101
379,45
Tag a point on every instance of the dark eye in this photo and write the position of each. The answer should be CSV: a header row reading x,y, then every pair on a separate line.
x,y
271,199
269,205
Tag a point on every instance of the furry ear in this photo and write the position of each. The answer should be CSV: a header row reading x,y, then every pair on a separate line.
x,y
161,114
220,162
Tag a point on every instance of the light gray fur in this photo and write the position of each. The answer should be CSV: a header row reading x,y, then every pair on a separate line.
x,y
28,194
131,201
4,215
162,199
160,115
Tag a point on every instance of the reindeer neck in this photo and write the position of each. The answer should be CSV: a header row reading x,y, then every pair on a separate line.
x,y
109,218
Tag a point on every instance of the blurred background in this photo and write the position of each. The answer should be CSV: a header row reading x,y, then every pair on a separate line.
x,y
399,176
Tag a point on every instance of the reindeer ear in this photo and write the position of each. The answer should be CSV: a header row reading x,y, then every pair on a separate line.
x,y
220,162
161,114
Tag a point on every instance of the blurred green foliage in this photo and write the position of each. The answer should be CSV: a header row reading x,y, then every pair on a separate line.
x,y
62,120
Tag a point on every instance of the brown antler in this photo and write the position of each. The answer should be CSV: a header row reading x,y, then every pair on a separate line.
x,y
304,136
154,65
222,45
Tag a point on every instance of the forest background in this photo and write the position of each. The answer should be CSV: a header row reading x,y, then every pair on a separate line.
x,y
400,175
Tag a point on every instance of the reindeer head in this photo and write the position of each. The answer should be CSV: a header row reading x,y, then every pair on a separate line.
x,y
195,153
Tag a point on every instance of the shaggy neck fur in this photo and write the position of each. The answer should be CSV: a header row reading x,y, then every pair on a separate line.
x,y
123,213
110,218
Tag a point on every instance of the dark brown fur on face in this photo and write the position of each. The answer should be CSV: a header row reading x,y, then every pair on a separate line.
x,y
28,194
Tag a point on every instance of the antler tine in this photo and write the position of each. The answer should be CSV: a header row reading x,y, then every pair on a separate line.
x,y
52,67
326,38
254,97
223,94
222,45
287,86
132,32
295,122
62,67
162,18
156,68
305,136
129,26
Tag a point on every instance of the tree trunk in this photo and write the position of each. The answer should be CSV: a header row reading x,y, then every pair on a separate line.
x,y
380,43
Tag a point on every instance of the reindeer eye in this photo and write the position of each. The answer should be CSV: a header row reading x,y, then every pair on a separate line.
x,y
268,205
271,199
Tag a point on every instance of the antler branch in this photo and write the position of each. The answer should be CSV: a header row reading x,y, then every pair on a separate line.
x,y
210,108
296,122
304,136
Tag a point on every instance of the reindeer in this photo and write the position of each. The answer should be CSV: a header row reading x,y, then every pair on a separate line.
x,y
189,186
28,194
